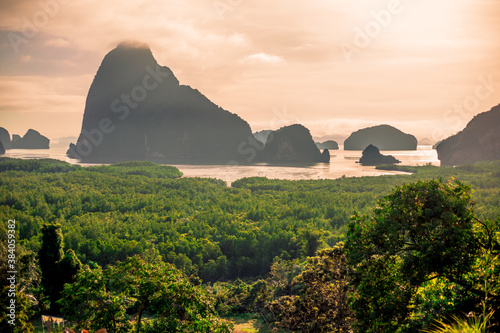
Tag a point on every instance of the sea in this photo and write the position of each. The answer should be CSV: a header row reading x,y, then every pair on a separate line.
x,y
342,164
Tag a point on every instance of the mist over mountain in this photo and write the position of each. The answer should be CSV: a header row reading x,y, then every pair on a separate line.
x,y
478,141
261,136
137,110
63,141
384,137
426,142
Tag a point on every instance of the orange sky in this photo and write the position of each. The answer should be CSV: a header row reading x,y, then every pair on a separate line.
x,y
335,66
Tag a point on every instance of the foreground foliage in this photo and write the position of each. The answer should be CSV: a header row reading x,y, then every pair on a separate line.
x,y
27,280
102,298
320,302
422,232
57,267
476,324
266,247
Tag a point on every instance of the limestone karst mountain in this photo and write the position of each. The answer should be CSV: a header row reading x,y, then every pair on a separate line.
x,y
372,156
137,110
330,145
292,144
478,141
31,140
384,137
5,138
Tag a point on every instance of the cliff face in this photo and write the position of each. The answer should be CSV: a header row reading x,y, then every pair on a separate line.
x,y
31,140
136,110
292,144
478,141
5,138
372,156
385,137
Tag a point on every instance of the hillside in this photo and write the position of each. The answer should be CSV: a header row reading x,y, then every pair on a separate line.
x,y
478,141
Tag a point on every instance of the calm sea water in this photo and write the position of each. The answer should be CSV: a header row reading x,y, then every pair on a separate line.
x,y
342,163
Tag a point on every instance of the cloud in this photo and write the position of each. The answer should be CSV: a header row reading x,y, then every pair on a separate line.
x,y
57,42
262,58
45,55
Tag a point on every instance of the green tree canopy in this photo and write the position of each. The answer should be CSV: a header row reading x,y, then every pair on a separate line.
x,y
102,298
421,232
320,304
27,277
57,267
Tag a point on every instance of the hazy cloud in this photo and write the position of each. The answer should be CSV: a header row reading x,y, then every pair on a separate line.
x,y
262,58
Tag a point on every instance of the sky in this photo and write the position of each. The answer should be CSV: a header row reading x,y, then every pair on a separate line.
x,y
426,67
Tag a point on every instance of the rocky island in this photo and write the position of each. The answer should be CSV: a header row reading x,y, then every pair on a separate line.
x,y
330,145
137,110
292,143
372,156
385,137
31,140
